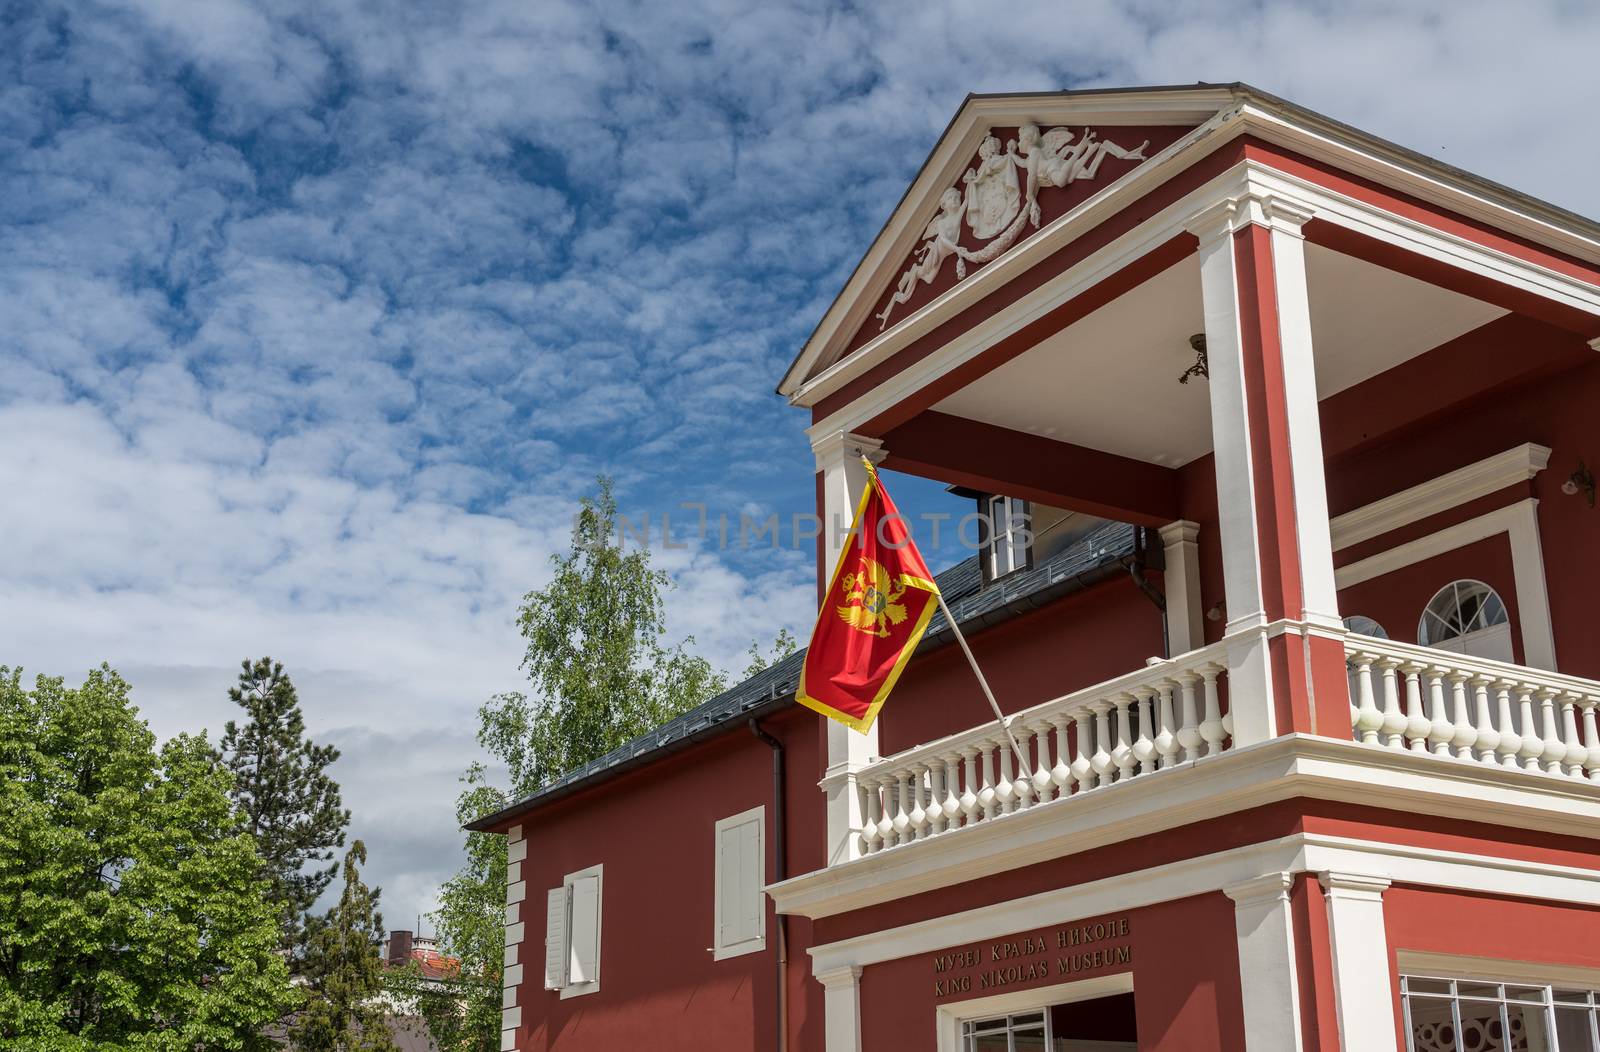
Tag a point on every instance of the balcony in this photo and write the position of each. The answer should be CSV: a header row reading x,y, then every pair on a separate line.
x,y
1174,714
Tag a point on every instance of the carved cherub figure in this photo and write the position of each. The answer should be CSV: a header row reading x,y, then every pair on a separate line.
x,y
1052,158
940,240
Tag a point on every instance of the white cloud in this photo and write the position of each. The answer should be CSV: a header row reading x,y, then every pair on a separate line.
x,y
317,319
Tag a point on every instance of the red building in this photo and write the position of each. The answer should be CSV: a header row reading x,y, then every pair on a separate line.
x,y
1325,401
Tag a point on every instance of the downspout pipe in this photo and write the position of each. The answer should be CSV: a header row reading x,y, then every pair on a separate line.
x,y
779,863
1136,568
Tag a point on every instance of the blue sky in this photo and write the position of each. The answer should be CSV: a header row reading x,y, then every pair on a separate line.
x,y
315,318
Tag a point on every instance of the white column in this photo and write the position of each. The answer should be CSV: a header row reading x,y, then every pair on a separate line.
x,y
516,894
1181,578
1363,995
1285,222
1268,982
844,478
841,1009
1255,299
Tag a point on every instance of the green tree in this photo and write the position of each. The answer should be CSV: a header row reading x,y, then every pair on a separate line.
x,y
784,645
601,675
131,911
281,784
595,658
344,1010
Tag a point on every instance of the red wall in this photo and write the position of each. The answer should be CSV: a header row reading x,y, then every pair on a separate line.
x,y
653,831
1435,921
1105,631
1185,969
1553,408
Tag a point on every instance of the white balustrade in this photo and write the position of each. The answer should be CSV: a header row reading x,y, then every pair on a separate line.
x,y
1472,709
1158,718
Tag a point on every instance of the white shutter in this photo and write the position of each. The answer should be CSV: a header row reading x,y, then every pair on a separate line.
x,y
584,934
752,912
555,939
740,906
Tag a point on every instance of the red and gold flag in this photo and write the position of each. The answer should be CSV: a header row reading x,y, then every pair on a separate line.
x,y
876,608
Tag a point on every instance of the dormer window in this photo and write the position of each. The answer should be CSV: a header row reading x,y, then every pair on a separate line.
x,y
1007,545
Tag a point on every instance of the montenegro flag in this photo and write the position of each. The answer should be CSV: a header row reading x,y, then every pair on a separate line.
x,y
876,608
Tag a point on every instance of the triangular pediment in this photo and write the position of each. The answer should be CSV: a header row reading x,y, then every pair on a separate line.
x,y
1006,168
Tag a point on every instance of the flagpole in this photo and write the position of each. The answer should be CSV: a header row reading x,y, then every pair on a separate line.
x,y
1022,760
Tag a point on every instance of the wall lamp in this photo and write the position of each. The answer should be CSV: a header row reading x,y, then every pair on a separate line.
x,y
1580,481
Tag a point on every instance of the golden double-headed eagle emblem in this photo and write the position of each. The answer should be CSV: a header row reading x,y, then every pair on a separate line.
x,y
872,603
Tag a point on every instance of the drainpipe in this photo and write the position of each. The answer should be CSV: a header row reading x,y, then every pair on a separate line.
x,y
779,831
1136,567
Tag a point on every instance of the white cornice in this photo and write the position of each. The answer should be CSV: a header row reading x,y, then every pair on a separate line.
x,y
1283,768
1235,113
1259,868
1247,178
944,166
1451,490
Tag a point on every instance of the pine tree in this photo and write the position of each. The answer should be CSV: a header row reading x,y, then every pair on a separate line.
x,y
292,807
344,1011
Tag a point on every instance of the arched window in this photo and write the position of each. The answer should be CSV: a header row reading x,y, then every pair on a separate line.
x,y
1467,617
1363,625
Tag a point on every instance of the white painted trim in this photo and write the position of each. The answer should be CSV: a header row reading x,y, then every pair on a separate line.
x,y
949,1017
1493,969
1296,853
1227,115
899,237
1269,984
1291,766
1450,490
841,1008
1186,626
1250,179
1520,523
1358,944
720,950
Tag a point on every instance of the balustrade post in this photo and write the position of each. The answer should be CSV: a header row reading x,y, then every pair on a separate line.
x,y
1394,718
988,795
1144,746
1365,719
872,809
1166,733
902,811
1082,765
1189,729
933,811
1591,763
1440,730
1555,750
1122,755
971,804
1576,751
1022,781
1465,734
1102,734
1488,737
1417,723
1211,728
1510,741
1041,767
1005,795
952,802
1532,743
1061,773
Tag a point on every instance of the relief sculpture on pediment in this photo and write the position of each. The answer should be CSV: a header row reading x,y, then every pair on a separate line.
x,y
999,196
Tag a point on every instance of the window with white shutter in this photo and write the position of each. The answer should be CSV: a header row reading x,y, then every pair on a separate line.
x,y
572,934
555,939
740,913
